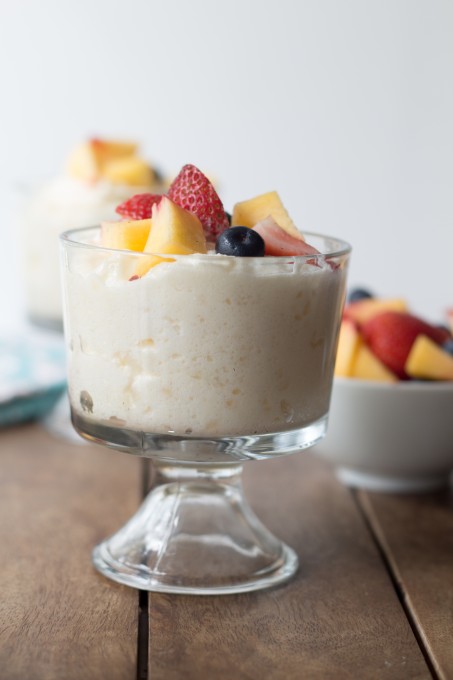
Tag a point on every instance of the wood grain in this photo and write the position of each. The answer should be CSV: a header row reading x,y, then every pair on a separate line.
x,y
60,619
338,618
416,535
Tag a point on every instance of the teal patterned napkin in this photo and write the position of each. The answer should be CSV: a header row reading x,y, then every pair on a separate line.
x,y
32,377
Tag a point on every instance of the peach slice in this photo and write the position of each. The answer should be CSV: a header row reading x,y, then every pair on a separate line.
x,y
125,234
175,231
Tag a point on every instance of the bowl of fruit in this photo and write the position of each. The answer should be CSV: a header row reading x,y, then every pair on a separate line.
x,y
391,414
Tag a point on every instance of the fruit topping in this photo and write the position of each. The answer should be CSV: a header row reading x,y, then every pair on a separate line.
x,y
241,242
254,210
130,170
390,336
139,207
192,214
193,191
280,242
117,162
125,235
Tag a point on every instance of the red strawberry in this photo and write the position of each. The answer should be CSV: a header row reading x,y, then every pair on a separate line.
x,y
279,242
193,191
139,207
390,336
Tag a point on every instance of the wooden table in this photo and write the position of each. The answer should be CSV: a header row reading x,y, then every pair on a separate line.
x,y
373,597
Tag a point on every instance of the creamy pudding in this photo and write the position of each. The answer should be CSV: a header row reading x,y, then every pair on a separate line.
x,y
206,345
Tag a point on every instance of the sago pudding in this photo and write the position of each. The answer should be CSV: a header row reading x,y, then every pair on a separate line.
x,y
207,330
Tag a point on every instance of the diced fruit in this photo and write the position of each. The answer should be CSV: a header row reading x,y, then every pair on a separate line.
x,y
366,366
87,160
359,294
139,207
125,235
279,242
348,344
175,231
83,164
390,336
241,242
254,210
427,360
361,311
193,191
130,170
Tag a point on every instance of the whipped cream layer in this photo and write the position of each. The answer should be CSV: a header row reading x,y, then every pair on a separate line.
x,y
207,346
61,204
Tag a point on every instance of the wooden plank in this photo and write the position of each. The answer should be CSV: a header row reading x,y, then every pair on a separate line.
x,y
338,618
59,618
416,535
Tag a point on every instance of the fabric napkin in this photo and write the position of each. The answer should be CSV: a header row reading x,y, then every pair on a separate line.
x,y
32,376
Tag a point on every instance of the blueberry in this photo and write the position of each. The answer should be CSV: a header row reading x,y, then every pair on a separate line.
x,y
448,346
228,217
359,294
241,242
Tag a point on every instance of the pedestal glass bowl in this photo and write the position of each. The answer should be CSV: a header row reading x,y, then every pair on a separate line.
x,y
204,363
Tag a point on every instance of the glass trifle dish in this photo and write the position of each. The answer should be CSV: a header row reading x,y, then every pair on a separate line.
x,y
201,341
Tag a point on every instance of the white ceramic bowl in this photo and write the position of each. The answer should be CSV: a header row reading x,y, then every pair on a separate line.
x,y
390,437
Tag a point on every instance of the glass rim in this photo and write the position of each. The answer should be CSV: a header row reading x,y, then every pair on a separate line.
x,y
69,238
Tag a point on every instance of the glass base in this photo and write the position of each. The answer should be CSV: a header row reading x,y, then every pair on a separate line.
x,y
195,534
190,449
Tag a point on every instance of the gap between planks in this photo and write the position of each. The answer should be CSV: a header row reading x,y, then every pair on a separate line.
x,y
384,551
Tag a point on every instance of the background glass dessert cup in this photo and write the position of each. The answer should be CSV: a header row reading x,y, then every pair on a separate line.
x,y
99,174
205,362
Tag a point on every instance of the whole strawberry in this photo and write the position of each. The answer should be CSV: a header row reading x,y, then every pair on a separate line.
x,y
390,336
193,191
139,207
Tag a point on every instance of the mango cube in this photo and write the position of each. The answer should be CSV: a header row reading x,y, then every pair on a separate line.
x,y
248,213
428,360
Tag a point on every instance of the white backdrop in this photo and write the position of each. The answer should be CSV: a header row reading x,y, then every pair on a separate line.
x,y
344,106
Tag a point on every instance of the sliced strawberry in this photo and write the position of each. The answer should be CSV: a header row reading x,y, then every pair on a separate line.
x,y
390,336
139,207
193,191
279,242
